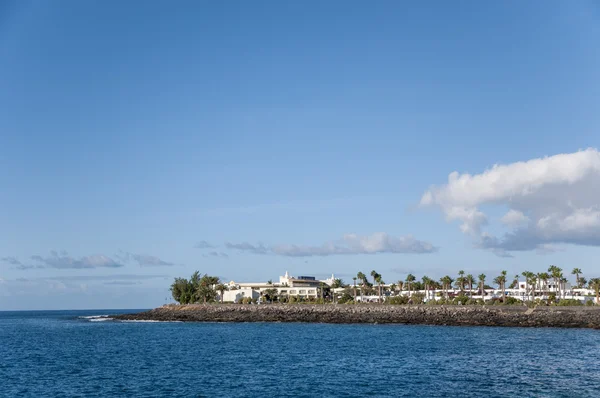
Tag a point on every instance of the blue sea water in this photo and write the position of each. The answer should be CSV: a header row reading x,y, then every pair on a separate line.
x,y
60,353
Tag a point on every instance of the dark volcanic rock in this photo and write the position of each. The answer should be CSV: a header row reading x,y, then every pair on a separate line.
x,y
568,317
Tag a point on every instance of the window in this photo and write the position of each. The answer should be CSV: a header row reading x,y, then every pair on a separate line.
x,y
311,292
302,291
292,292
283,292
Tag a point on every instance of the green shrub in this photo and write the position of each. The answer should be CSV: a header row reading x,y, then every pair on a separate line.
x,y
589,303
417,298
512,301
397,300
346,298
569,302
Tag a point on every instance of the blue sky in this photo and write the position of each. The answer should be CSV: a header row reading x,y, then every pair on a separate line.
x,y
132,131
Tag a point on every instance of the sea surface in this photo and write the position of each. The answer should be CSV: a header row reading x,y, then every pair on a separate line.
x,y
81,353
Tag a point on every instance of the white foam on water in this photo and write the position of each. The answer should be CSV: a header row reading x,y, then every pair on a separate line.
x,y
96,318
147,321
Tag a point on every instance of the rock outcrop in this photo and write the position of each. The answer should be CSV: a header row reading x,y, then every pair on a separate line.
x,y
516,316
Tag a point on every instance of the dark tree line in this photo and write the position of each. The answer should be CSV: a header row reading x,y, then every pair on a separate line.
x,y
197,289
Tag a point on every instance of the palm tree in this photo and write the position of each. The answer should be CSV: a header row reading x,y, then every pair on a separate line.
x,y
363,280
532,282
576,272
426,284
556,273
543,278
380,283
470,279
482,284
461,281
446,283
354,280
515,282
393,289
501,281
526,275
595,285
400,286
410,278
374,274
221,289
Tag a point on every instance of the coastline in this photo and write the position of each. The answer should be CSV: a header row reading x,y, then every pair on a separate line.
x,y
505,316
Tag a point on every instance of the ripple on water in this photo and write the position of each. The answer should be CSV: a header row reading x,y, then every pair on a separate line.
x,y
62,354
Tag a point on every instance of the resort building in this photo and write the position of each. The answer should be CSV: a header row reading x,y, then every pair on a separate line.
x,y
301,287
309,287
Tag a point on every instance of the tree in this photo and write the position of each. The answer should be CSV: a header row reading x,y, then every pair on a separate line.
x,y
380,282
354,280
393,288
543,277
374,274
337,283
482,285
363,280
556,273
205,291
446,284
410,278
270,294
401,286
532,282
426,283
182,291
197,288
527,274
595,285
501,280
221,289
470,280
515,282
376,280
577,272
461,280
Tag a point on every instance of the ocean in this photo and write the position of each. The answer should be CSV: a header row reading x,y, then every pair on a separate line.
x,y
81,353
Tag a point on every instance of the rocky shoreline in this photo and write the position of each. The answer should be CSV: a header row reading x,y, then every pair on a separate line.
x,y
510,316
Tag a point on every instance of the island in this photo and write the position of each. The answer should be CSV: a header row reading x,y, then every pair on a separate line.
x,y
452,315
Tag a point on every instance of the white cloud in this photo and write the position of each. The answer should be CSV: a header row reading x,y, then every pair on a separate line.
x,y
63,260
203,245
514,218
350,244
143,260
551,200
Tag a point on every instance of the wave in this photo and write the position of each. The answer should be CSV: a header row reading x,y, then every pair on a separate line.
x,y
96,318
147,321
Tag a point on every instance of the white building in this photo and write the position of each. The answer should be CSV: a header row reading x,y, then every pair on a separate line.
x,y
300,287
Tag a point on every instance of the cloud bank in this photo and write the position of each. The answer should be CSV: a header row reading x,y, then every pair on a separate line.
x,y
548,201
143,260
203,245
349,244
63,260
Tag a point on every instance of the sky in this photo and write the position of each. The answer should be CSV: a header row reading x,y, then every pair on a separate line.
x,y
143,140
